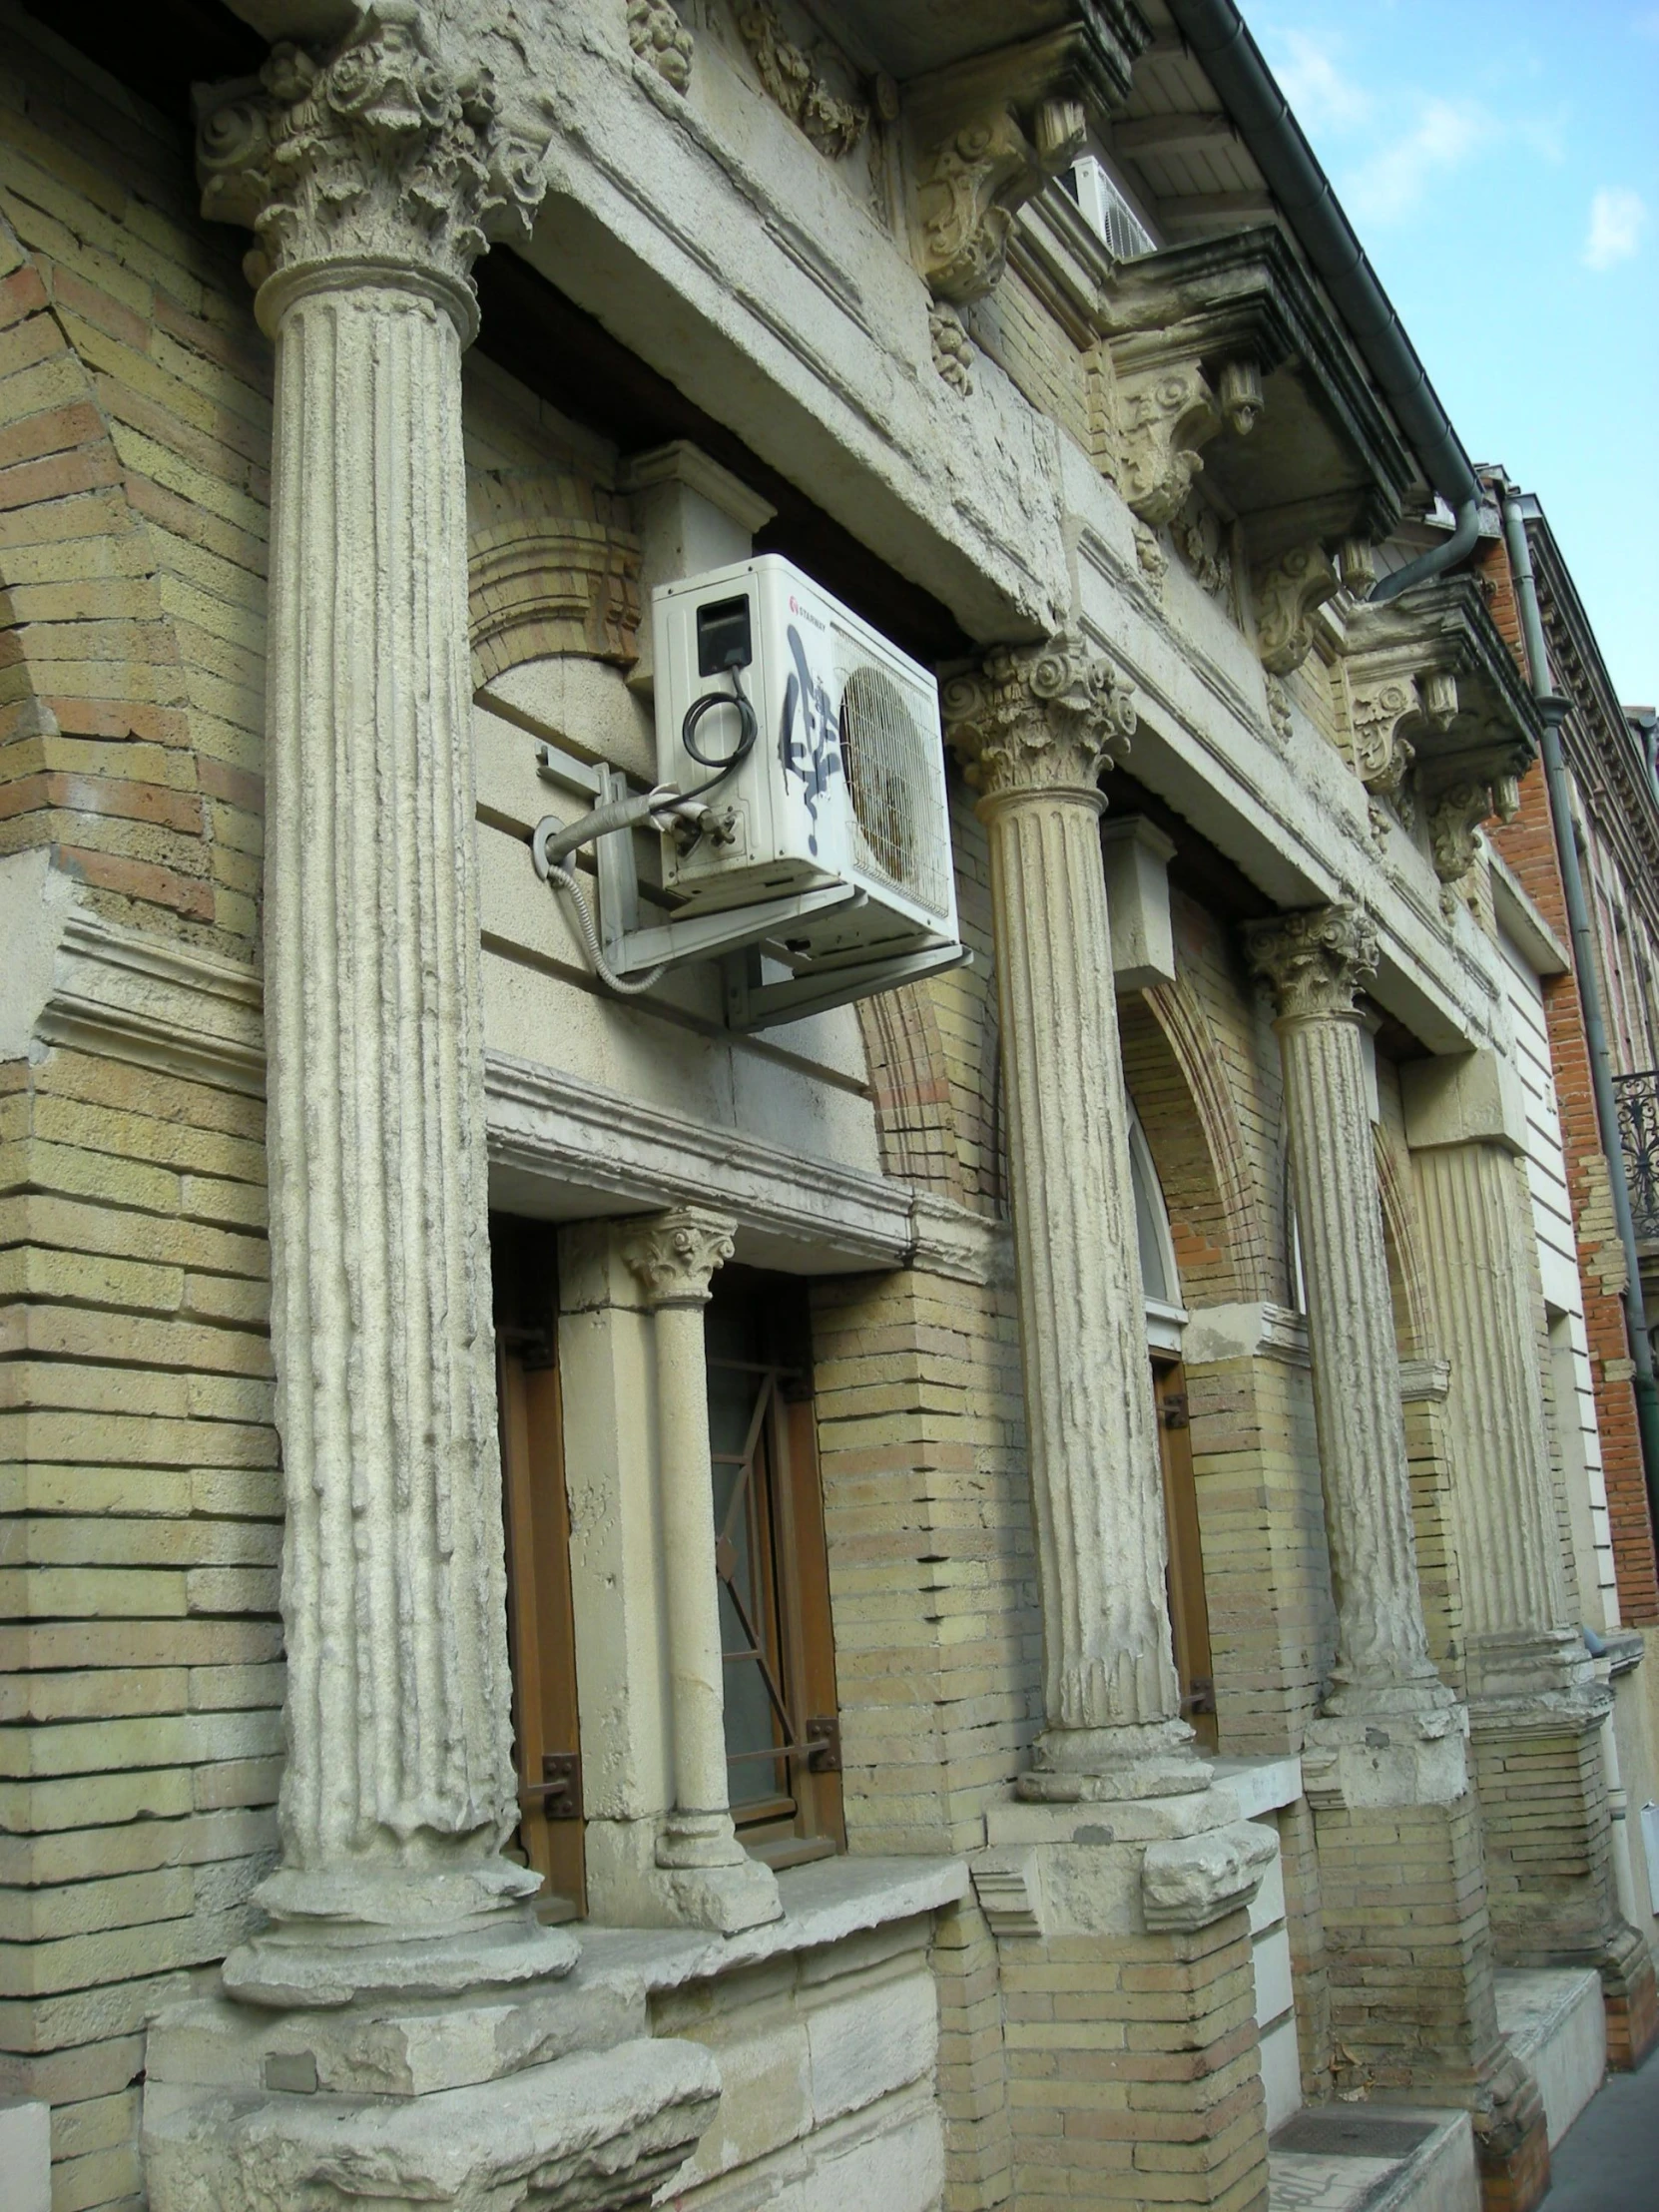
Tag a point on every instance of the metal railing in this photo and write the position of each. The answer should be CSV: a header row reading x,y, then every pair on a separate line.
x,y
1638,1101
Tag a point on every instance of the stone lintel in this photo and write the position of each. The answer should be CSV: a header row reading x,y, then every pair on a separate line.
x,y
1464,1098
1254,1329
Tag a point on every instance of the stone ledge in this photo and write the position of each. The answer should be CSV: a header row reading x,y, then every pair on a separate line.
x,y
823,1903
1260,1785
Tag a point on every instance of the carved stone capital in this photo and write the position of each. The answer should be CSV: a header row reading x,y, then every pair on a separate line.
x,y
401,147
1316,960
1038,717
675,1254
1167,415
1289,593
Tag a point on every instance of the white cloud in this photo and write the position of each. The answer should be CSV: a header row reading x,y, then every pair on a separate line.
x,y
1314,85
1393,182
1617,219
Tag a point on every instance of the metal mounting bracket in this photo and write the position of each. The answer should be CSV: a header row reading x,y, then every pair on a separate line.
x,y
732,935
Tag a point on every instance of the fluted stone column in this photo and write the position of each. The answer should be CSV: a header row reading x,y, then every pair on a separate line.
x,y
1536,1709
1034,727
1316,962
370,177
712,1879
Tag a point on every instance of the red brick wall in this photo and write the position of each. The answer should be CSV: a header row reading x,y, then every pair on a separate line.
x,y
1528,844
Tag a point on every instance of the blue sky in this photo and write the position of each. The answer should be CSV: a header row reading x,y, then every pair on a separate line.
x,y
1499,160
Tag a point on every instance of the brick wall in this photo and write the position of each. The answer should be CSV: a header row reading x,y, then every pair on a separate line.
x,y
1527,844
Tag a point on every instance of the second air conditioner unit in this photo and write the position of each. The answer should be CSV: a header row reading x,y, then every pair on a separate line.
x,y
842,784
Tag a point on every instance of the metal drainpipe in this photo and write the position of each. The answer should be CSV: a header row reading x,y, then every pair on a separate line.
x,y
1553,710
1216,31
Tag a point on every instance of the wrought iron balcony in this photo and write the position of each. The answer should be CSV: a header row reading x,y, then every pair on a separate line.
x,y
1638,1098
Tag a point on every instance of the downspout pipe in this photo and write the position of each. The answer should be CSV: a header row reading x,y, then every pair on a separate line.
x,y
1554,711
1216,31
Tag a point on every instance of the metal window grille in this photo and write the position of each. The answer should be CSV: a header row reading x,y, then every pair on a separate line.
x,y
1638,1103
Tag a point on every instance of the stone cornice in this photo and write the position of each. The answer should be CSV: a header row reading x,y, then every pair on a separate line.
x,y
404,146
1316,961
1245,299
1038,717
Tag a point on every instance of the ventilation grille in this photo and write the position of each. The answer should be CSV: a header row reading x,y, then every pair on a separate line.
x,y
1106,209
899,834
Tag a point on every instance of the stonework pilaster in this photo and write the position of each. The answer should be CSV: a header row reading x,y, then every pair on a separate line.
x,y
1034,725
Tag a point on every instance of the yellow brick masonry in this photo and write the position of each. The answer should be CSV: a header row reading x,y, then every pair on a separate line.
x,y
134,450
140,1523
1132,2070
938,1635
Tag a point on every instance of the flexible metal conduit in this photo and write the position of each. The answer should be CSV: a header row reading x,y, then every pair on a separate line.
x,y
1216,31
1553,710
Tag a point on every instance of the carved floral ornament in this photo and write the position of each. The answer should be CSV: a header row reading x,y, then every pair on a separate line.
x,y
675,1254
792,81
389,149
1316,960
1038,717
657,36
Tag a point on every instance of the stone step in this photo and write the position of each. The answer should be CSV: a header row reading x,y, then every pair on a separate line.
x,y
1553,2018
1370,2158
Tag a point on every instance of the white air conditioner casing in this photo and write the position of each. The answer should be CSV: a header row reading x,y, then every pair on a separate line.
x,y
846,780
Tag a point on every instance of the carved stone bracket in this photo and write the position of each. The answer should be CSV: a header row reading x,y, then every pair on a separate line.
x,y
394,146
1316,960
1289,593
791,78
973,178
1035,717
658,36
1167,415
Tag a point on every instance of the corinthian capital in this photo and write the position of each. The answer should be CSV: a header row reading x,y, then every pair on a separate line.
x,y
1038,717
1316,960
398,145
675,1254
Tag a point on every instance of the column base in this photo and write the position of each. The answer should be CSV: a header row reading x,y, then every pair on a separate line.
x,y
1071,1766
554,2096
676,1871
1124,1932
341,1933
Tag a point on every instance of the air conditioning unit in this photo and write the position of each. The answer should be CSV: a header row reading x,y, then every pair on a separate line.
x,y
842,784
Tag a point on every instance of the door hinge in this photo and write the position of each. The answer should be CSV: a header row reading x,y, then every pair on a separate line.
x,y
824,1743
560,1787
1172,1409
1201,1698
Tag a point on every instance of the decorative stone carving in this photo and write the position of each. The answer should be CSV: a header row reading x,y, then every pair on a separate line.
x,y
1279,712
973,178
1150,555
788,75
1239,397
1199,535
712,1881
1383,756
1008,1887
1289,593
1034,724
1318,960
390,147
1040,718
1165,418
658,36
952,347
542,580
1316,963
1454,822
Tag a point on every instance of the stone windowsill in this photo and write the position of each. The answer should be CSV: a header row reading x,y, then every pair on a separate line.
x,y
1261,1785
823,1903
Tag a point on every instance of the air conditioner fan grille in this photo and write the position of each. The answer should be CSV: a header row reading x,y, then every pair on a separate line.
x,y
899,834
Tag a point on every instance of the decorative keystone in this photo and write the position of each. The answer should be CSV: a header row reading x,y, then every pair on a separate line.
x,y
1316,960
1200,1879
675,1254
1287,596
391,149
1038,717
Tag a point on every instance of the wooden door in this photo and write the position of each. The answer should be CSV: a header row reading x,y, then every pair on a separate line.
x,y
540,1621
1188,1605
